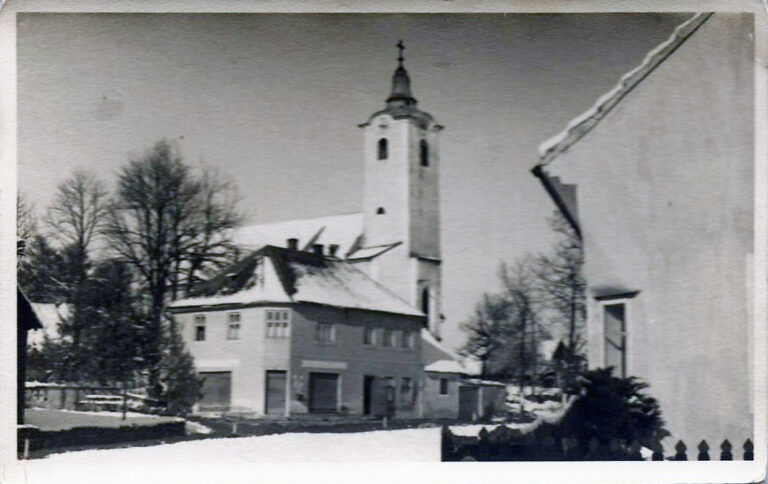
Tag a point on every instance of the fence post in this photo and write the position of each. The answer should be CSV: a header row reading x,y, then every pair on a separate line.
x,y
446,443
749,450
725,450
703,450
483,446
658,451
680,451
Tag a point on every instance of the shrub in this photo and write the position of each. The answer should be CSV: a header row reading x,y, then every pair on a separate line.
x,y
614,408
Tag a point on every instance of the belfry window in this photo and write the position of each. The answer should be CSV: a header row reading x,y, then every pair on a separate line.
x,y
383,150
424,152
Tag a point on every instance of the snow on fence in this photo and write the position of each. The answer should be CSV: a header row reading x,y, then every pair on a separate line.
x,y
66,396
545,444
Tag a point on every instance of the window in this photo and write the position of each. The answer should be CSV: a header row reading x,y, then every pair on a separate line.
x,y
614,321
277,324
425,301
406,390
326,333
389,384
200,327
406,341
380,211
424,153
369,336
383,151
443,386
233,331
389,337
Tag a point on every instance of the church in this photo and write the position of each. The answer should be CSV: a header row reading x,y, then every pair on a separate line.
x,y
339,313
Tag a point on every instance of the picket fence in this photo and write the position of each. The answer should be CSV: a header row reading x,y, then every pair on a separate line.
x,y
543,444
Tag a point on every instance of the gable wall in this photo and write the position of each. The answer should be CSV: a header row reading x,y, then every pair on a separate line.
x,y
665,201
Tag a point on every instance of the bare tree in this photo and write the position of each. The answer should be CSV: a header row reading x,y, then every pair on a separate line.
x,y
26,223
525,331
74,220
172,227
563,291
486,331
78,211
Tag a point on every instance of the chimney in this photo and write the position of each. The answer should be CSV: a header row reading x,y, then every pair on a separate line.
x,y
332,249
293,244
317,249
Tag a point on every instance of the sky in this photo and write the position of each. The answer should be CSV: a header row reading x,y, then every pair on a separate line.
x,y
273,101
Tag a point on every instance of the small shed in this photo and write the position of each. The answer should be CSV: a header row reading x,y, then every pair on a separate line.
x,y
450,392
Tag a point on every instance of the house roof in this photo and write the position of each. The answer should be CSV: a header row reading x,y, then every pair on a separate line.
x,y
25,314
578,127
49,315
446,366
279,275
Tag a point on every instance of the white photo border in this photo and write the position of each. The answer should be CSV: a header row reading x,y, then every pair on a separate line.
x,y
12,470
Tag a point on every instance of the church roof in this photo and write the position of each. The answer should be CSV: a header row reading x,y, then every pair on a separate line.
x,y
578,127
342,230
401,104
279,275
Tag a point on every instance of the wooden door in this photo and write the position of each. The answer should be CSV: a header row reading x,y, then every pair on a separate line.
x,y
217,390
276,380
469,399
323,392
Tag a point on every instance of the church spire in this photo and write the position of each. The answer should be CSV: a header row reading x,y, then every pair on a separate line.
x,y
401,83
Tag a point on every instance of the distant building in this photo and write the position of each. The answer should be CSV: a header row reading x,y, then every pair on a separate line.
x,y
26,320
657,177
344,315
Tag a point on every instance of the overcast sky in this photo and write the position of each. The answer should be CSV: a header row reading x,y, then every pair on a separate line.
x,y
274,101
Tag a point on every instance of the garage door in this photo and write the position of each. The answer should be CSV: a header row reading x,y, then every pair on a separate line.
x,y
275,392
217,390
469,399
323,392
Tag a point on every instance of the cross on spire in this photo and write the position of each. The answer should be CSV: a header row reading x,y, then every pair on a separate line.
x,y
401,47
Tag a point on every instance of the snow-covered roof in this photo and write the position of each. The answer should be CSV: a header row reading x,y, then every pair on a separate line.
x,y
446,366
278,275
342,230
49,316
585,122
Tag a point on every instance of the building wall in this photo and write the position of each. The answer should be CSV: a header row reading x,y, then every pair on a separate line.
x,y
665,201
441,406
350,358
247,358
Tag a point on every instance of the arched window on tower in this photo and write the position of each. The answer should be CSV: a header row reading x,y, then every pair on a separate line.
x,y
424,152
383,151
425,301
380,211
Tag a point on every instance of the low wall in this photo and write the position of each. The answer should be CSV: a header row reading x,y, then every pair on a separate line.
x,y
79,436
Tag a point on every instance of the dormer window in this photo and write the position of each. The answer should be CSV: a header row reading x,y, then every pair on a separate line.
x,y
424,152
383,149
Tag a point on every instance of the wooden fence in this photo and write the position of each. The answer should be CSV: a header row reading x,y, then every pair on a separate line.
x,y
545,444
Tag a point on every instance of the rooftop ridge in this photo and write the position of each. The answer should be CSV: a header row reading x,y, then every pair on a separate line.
x,y
582,124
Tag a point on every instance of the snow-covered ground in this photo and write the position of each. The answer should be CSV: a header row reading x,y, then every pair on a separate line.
x,y
410,445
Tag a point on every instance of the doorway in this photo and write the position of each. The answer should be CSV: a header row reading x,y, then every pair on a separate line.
x,y
276,380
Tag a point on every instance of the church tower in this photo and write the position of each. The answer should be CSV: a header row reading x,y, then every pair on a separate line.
x,y
402,199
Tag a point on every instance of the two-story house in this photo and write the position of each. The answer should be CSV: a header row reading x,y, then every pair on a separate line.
x,y
288,332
